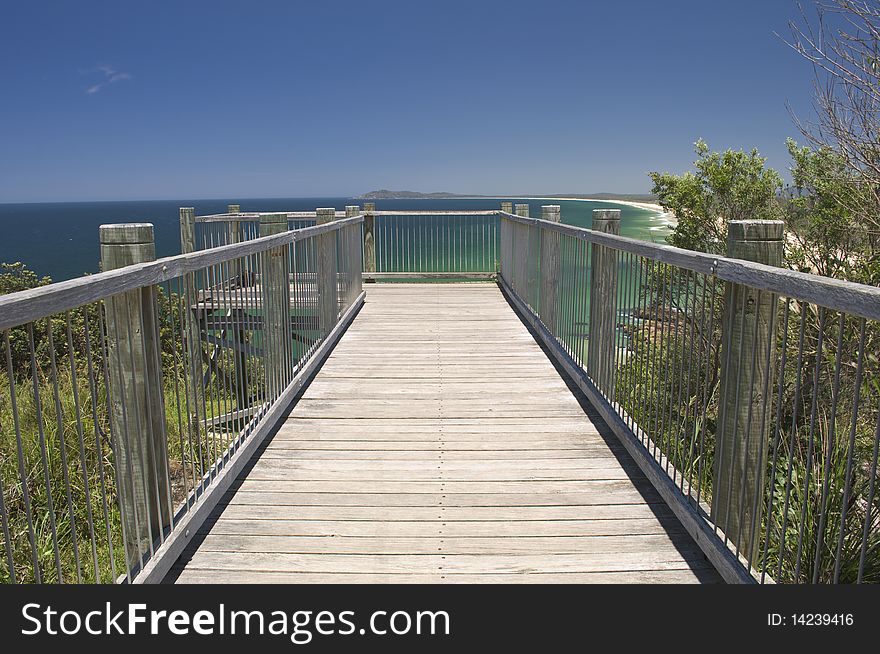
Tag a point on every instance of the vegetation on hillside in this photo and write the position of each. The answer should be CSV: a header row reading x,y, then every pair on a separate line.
x,y
57,464
821,501
821,517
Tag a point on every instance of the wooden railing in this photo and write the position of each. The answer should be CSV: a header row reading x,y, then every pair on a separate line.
x,y
396,244
133,397
747,393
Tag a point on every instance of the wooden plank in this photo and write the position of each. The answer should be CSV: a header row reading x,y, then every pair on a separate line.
x,y
550,425
245,544
167,553
718,552
438,441
688,573
424,455
569,468
431,443
495,529
332,438
439,489
604,494
460,563
377,515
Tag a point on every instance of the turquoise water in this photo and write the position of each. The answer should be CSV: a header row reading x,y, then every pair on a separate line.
x,y
61,239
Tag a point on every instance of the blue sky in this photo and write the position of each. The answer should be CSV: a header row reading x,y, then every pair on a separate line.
x,y
142,100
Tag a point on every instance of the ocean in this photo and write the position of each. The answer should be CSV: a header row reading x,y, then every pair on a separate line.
x,y
60,239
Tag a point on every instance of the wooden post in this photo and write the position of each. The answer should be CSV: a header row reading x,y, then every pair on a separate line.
x,y
233,236
137,408
192,320
744,425
520,252
346,274
187,230
532,272
549,267
235,280
369,237
603,301
328,300
275,283
506,229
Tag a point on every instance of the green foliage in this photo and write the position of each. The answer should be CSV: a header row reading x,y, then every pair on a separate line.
x,y
670,380
730,185
18,277
90,517
800,508
828,232
41,480
57,470
820,503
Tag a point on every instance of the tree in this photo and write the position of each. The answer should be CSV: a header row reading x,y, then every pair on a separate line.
x,y
730,185
843,47
18,277
826,236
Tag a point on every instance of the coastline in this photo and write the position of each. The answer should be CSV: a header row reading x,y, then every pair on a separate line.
x,y
667,218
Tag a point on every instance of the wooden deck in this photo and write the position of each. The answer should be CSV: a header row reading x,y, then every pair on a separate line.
x,y
438,443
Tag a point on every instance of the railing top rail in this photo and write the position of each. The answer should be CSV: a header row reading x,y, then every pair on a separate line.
x,y
32,304
835,294
435,213
255,215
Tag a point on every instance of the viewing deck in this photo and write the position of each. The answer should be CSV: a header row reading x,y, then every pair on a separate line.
x,y
439,444
521,400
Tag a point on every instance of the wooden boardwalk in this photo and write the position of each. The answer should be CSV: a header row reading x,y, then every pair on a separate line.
x,y
438,443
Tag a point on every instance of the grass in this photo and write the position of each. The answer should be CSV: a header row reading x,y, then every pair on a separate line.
x,y
76,506
820,503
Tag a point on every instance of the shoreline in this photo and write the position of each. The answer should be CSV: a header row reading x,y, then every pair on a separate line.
x,y
668,218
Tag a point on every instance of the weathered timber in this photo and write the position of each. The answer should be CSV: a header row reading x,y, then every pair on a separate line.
x,y
834,294
385,472
186,526
234,274
747,347
275,272
549,266
328,270
521,232
731,567
25,306
369,237
137,410
603,301
192,327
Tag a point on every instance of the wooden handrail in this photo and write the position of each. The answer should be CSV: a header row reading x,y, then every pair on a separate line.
x,y
835,294
32,304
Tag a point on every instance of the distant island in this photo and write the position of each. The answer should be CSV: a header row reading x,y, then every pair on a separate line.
x,y
385,194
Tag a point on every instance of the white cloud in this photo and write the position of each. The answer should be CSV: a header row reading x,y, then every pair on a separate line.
x,y
110,76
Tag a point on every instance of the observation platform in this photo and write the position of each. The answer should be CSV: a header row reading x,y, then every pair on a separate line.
x,y
438,443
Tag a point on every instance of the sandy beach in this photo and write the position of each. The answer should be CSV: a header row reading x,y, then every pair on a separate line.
x,y
665,217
